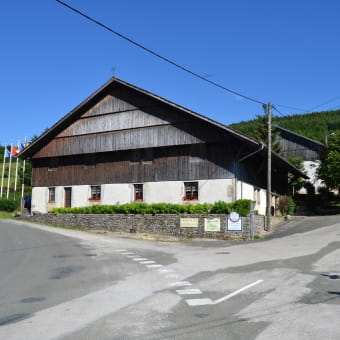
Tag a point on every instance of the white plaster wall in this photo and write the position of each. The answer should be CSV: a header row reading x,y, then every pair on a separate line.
x,y
247,191
170,192
39,199
209,191
80,196
261,208
213,190
117,193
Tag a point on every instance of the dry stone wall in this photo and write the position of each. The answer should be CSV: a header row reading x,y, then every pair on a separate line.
x,y
162,224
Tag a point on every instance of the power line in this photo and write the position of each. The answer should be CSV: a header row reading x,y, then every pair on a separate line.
x,y
169,61
279,112
292,108
326,102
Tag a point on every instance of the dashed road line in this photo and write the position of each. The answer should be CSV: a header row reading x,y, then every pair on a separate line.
x,y
180,284
172,276
199,302
154,265
164,270
191,291
147,262
140,259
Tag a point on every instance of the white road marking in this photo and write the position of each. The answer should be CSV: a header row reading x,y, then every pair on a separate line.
x,y
199,302
172,276
147,262
139,259
188,291
180,284
128,253
154,265
120,250
203,302
131,256
237,292
166,270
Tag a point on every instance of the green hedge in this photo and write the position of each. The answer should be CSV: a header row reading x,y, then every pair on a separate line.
x,y
220,207
9,205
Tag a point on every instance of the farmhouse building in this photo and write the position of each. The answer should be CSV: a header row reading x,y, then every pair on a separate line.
x,y
124,144
309,150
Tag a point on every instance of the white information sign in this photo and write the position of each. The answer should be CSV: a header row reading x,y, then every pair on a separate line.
x,y
212,224
234,222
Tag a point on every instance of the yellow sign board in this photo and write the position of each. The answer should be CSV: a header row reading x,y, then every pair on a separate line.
x,y
189,222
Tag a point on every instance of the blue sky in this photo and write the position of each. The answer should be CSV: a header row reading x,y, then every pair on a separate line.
x,y
286,52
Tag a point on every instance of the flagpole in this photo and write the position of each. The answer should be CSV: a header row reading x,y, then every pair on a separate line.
x,y
9,170
23,175
3,172
16,172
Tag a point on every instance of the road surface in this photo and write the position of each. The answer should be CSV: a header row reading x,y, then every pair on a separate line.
x,y
66,284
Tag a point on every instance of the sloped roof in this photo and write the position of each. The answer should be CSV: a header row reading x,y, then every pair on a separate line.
x,y
74,114
277,127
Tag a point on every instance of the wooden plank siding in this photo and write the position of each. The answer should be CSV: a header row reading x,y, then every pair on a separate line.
x,y
299,146
191,162
176,163
144,137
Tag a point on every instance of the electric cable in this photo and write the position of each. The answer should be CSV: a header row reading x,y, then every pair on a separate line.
x,y
169,61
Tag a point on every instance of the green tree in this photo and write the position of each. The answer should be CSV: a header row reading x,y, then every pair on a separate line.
x,y
295,182
261,133
329,170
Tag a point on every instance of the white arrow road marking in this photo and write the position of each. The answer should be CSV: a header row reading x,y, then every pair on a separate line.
x,y
201,302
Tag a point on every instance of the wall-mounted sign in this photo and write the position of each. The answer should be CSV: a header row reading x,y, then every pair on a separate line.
x,y
234,222
189,222
212,224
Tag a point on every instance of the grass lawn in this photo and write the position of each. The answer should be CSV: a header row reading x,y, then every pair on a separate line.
x,y
5,214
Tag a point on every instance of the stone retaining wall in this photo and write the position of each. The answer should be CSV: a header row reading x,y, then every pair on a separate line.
x,y
162,224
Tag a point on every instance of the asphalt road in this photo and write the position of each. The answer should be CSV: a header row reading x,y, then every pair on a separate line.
x,y
64,284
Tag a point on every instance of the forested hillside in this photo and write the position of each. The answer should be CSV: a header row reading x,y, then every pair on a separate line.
x,y
313,125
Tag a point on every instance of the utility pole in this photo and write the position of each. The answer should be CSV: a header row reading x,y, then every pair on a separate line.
x,y
268,108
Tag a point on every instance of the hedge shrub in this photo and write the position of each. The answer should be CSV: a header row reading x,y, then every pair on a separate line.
x,y
220,207
8,204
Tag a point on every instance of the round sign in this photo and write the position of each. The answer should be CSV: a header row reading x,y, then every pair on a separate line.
x,y
234,216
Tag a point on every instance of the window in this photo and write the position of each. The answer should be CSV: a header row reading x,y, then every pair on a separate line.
x,y
138,192
51,195
90,162
95,193
191,190
52,164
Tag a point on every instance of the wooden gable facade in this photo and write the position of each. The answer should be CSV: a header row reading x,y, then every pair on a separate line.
x,y
295,145
123,134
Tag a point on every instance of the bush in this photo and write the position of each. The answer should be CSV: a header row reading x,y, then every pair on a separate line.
x,y
220,207
8,204
286,205
242,207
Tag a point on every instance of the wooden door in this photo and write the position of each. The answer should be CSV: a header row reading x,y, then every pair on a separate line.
x,y
68,197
